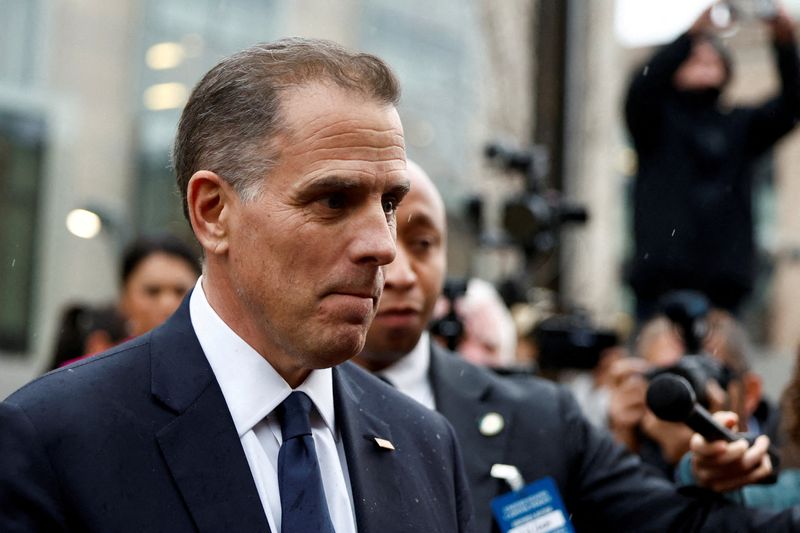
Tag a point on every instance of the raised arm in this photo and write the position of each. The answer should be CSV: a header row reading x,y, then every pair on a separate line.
x,y
655,78
776,117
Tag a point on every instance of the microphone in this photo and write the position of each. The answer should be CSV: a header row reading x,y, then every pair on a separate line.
x,y
672,398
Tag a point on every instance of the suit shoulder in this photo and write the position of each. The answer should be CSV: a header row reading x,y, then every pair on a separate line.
x,y
88,378
394,404
514,388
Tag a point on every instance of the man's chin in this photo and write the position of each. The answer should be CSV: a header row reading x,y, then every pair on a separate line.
x,y
341,346
391,343
379,358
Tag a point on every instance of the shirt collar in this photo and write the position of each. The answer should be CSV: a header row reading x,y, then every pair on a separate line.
x,y
411,371
252,388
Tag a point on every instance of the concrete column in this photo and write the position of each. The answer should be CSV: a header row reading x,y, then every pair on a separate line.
x,y
591,254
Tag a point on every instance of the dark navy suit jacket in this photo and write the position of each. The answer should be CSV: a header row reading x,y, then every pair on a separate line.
x,y
140,439
604,488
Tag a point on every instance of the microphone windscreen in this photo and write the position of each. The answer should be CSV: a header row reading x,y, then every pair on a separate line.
x,y
671,397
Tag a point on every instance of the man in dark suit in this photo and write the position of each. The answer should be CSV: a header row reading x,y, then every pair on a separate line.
x,y
241,413
533,425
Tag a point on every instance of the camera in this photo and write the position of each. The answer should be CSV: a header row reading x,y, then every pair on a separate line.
x,y
698,370
571,341
531,219
688,311
450,327
762,9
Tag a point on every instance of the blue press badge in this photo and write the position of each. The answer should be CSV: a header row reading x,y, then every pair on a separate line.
x,y
535,508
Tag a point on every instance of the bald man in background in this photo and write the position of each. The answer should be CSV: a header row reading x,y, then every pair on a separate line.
x,y
529,423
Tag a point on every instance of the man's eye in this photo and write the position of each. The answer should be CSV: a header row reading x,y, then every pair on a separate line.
x,y
421,245
389,205
336,201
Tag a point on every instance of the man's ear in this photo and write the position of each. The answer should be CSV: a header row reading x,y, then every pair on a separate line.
x,y
210,200
753,389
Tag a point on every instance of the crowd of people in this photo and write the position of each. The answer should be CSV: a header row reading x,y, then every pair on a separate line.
x,y
286,378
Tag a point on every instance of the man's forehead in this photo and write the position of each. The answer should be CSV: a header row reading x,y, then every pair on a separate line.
x,y
317,101
423,204
357,129
416,213
419,218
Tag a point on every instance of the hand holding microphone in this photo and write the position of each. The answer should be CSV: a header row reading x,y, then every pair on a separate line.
x,y
722,459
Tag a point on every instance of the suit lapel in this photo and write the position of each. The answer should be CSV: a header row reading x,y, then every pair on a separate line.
x,y
375,475
463,396
201,446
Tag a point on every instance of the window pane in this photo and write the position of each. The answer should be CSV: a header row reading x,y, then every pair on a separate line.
x,y
21,161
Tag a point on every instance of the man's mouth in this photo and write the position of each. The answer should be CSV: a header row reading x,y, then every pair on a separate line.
x,y
398,316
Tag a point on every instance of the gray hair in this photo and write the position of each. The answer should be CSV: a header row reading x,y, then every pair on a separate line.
x,y
233,117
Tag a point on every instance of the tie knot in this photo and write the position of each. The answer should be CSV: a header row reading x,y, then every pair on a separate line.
x,y
293,414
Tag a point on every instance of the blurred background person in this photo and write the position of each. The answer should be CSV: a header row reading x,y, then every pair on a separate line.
x,y
707,347
785,492
727,341
156,274
577,353
85,330
488,335
693,220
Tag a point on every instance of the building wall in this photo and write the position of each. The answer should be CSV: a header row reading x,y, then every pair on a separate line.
x,y
84,97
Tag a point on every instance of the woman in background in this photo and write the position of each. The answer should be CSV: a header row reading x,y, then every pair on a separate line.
x,y
156,273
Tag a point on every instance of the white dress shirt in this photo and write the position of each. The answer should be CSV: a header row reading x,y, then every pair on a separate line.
x,y
410,374
253,389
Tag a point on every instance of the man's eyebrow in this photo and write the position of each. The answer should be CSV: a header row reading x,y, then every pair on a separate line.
x,y
420,218
401,189
344,183
332,183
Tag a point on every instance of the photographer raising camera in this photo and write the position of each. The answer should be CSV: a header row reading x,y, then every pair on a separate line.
x,y
706,348
692,200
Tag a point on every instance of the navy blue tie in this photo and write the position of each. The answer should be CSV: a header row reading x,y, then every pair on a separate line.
x,y
303,505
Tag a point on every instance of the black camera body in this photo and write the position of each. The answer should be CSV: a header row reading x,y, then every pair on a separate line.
x,y
688,311
450,327
698,370
531,219
571,342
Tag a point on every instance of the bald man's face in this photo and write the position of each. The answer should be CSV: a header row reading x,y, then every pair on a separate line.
x,y
413,281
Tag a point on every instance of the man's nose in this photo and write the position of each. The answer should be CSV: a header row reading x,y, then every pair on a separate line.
x,y
399,274
375,239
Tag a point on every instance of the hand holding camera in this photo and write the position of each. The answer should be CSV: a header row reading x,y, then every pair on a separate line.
x,y
722,18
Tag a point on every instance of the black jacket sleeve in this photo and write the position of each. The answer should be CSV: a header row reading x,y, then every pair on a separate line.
x,y
616,493
776,117
649,85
